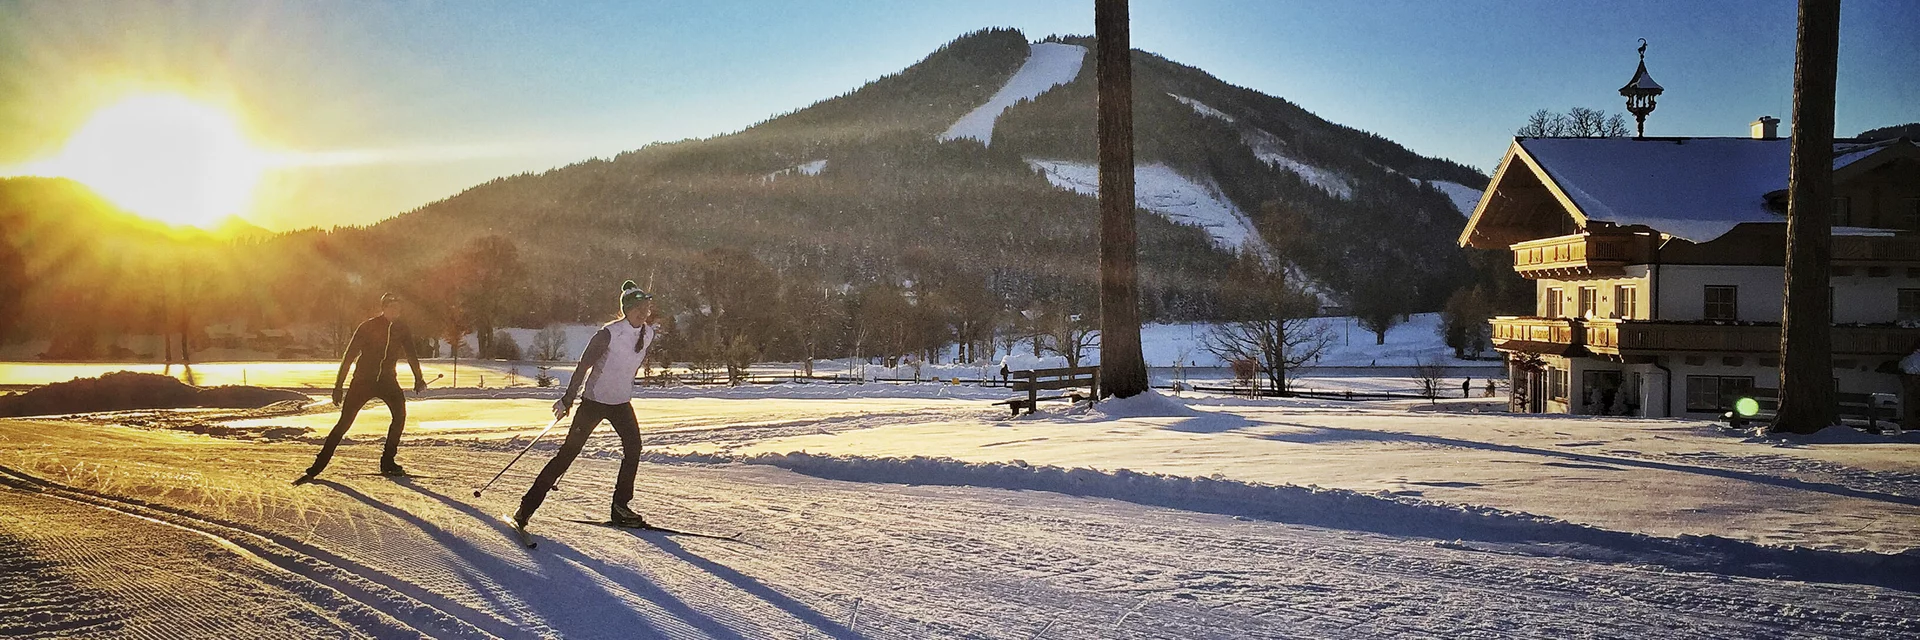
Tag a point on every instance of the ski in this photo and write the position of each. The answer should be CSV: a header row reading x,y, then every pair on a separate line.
x,y
665,530
403,476
526,539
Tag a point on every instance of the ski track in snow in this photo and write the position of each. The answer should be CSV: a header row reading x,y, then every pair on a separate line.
x,y
1160,189
1081,555
1049,64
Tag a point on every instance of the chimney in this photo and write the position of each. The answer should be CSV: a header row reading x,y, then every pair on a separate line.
x,y
1766,128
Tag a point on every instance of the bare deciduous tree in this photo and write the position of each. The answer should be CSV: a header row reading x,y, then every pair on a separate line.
x,y
550,344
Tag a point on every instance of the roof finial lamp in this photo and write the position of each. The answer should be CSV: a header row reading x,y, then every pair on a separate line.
x,y
1640,93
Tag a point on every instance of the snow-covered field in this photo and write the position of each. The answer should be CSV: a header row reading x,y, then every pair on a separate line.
x,y
923,511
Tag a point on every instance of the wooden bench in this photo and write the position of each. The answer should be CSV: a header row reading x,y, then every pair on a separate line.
x,y
1859,407
1036,380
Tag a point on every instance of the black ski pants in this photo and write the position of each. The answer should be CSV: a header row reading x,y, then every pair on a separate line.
x,y
585,418
358,393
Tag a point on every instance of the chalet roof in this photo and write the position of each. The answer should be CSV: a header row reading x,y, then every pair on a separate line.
x,y
1692,188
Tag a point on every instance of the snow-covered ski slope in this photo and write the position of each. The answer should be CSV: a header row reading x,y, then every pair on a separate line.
x,y
118,531
1160,189
1270,150
1048,65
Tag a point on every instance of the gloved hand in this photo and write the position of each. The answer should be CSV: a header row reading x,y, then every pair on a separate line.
x,y
419,385
561,407
336,395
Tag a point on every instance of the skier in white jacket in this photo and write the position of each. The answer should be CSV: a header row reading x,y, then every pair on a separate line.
x,y
606,371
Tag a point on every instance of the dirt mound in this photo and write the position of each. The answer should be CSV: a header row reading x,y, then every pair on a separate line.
x,y
122,390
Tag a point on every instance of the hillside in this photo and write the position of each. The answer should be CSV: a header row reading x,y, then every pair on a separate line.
x,y
939,200
844,187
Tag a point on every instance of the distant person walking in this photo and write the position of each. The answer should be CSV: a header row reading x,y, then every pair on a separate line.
x,y
377,344
1466,387
605,373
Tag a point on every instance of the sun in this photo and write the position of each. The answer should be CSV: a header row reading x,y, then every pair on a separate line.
x,y
165,157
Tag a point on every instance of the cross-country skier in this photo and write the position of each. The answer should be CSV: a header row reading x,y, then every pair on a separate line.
x,y
378,344
606,371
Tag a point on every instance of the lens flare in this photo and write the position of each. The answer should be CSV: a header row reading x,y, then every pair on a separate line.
x,y
164,157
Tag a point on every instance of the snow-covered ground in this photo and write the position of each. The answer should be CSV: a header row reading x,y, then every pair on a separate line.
x,y
922,511
1048,65
1160,189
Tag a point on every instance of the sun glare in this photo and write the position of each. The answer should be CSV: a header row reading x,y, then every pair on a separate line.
x,y
164,157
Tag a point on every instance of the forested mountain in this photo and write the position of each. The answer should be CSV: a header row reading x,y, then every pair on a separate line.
x,y
872,193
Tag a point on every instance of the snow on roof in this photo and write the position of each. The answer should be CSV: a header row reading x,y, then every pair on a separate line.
x,y
1641,80
1692,188
1049,64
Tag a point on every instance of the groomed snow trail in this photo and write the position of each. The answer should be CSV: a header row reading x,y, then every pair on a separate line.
x,y
1161,189
861,559
1048,65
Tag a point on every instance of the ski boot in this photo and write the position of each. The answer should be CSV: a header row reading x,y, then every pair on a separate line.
x,y
305,478
392,469
626,518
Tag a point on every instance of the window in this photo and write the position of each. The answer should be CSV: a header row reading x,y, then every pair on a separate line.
x,y
1557,379
1909,306
1553,303
1722,303
1626,302
1716,393
1589,302
1842,214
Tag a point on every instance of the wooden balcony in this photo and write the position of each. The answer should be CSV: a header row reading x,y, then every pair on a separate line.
x,y
1582,255
1557,336
1631,337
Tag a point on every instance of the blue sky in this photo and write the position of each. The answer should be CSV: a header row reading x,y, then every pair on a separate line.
x,y
450,94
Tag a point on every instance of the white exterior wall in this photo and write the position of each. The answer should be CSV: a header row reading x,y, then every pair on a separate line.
x,y
1857,298
1683,291
1570,294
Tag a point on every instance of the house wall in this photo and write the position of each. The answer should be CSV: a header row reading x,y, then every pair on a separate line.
x,y
1636,276
1654,386
1683,290
1884,197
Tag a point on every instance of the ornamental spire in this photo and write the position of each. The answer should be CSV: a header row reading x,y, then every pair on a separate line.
x,y
1640,92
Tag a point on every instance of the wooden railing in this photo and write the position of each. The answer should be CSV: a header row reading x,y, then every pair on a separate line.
x,y
1580,255
1630,336
1557,331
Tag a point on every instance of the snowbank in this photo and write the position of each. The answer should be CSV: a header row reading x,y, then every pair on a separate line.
x,y
1448,525
1027,362
1050,64
122,390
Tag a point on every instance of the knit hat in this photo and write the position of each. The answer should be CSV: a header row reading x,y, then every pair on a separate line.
x,y
631,295
389,298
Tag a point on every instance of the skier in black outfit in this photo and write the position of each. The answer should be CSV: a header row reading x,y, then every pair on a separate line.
x,y
606,372
378,344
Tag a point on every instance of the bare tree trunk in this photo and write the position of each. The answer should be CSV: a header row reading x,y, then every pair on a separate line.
x,y
1806,341
1123,369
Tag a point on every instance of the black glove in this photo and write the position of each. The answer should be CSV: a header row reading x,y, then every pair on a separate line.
x,y
336,395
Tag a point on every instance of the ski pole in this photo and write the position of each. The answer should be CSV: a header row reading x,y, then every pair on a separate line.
x,y
516,457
